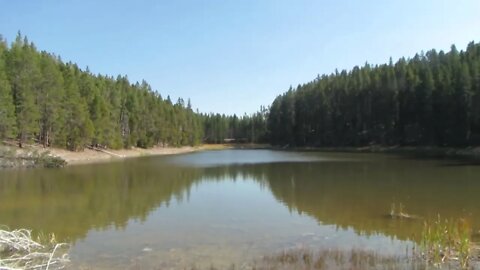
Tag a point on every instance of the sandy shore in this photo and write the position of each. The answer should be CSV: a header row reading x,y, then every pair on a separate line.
x,y
96,156
93,156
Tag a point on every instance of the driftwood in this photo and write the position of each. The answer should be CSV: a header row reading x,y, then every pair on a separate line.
x,y
104,151
400,213
403,216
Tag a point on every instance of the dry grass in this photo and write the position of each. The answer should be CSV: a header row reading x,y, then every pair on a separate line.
x,y
18,250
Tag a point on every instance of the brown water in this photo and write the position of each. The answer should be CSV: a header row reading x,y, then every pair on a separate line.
x,y
230,207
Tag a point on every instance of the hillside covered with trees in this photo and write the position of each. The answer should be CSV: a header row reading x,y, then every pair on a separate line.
x,y
54,103
432,99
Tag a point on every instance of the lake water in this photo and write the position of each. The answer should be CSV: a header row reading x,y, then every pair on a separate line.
x,y
232,206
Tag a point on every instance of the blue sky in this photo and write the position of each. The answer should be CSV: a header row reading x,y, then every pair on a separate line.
x,y
231,56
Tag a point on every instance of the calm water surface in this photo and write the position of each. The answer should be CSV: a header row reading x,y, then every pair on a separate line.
x,y
227,207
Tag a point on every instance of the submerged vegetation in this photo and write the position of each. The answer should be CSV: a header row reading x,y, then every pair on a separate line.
x,y
308,259
335,259
18,250
440,248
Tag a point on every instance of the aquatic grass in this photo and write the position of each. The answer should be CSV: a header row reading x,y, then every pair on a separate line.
x,y
18,250
464,243
446,241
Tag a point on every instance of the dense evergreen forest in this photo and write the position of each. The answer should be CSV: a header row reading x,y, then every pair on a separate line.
x,y
45,100
432,99
246,129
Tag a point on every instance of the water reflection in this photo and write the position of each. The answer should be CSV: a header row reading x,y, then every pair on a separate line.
x,y
344,190
74,200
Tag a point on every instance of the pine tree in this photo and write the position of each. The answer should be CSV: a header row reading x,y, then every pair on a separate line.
x,y
50,98
24,75
7,109
78,128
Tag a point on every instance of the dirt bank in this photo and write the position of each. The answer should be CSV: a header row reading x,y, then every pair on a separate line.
x,y
12,156
94,156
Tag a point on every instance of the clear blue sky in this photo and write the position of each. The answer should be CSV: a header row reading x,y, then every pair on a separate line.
x,y
231,56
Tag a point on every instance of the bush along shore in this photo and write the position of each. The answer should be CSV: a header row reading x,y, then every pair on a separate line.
x,y
11,157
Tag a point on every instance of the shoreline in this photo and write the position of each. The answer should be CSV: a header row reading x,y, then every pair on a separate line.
x,y
90,156
470,152
12,157
15,157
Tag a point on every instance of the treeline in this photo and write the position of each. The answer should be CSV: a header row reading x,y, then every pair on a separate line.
x,y
220,128
430,99
54,103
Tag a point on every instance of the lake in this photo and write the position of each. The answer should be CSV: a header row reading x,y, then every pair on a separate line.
x,y
233,206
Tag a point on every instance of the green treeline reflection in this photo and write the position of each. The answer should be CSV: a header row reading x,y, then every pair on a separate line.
x,y
356,195
359,195
71,202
